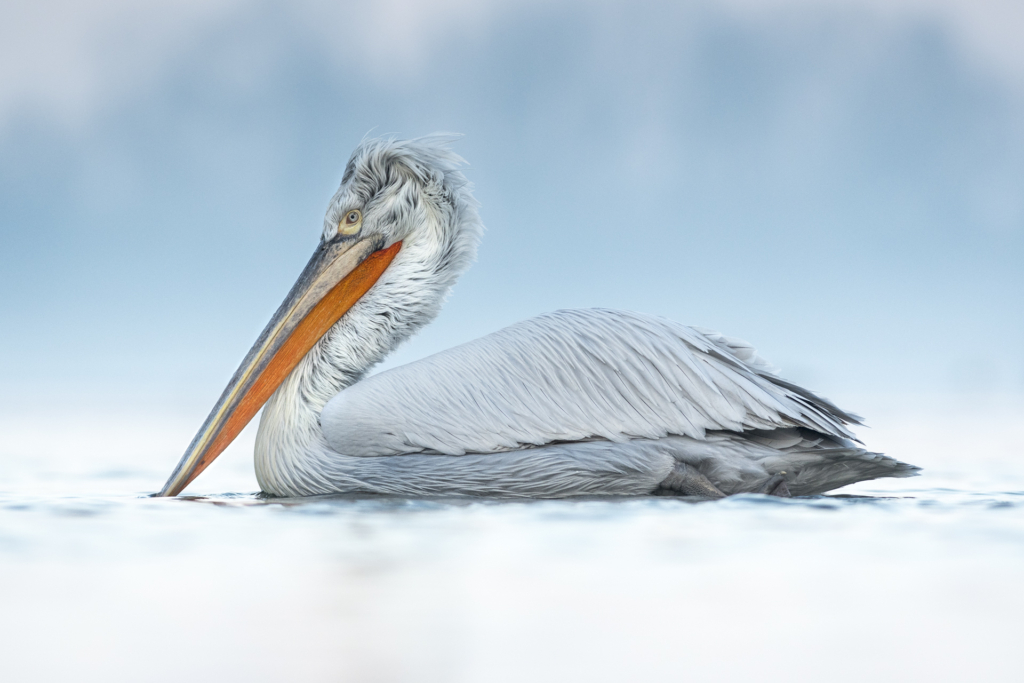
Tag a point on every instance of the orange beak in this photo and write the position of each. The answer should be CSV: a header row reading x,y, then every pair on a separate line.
x,y
339,274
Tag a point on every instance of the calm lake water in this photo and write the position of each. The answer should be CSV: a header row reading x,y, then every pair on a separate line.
x,y
916,579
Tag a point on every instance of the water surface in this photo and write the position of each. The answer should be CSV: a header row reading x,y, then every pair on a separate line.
x,y
916,579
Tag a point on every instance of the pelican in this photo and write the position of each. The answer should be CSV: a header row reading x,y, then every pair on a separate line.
x,y
575,402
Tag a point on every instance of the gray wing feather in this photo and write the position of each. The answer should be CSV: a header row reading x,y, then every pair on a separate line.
x,y
570,376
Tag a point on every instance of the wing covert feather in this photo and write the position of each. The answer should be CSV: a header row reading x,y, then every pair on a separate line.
x,y
572,375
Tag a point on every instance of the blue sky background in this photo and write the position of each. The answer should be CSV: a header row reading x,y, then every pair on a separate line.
x,y
840,183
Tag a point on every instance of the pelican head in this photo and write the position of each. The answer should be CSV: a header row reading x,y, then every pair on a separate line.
x,y
399,231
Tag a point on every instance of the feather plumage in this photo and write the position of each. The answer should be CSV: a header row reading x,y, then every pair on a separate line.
x,y
568,376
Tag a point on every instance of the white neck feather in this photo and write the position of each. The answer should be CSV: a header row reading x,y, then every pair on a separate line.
x,y
408,295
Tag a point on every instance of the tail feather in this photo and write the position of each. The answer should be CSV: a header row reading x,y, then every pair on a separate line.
x,y
824,469
813,463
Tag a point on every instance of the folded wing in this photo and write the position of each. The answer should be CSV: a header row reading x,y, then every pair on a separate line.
x,y
572,375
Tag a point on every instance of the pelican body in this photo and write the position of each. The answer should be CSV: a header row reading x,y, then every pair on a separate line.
x,y
575,402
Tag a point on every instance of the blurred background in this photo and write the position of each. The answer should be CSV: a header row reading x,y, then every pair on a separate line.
x,y
840,182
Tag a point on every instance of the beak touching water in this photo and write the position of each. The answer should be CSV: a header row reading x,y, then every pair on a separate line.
x,y
340,272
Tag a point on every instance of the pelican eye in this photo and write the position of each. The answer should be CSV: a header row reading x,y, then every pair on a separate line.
x,y
351,223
